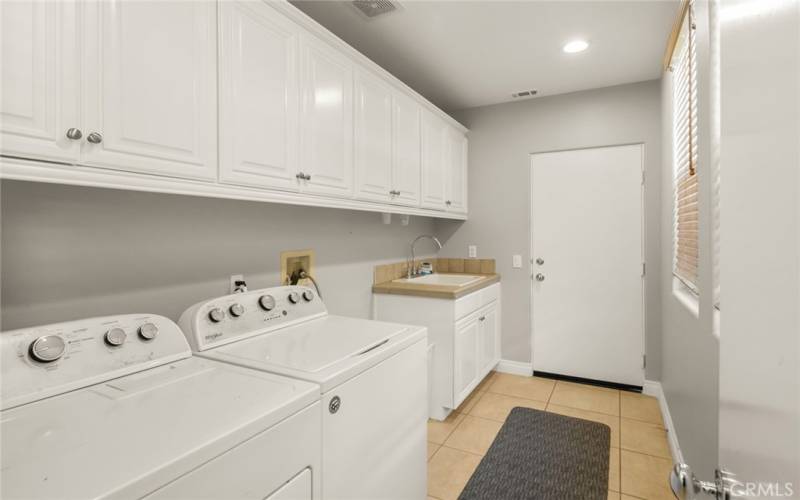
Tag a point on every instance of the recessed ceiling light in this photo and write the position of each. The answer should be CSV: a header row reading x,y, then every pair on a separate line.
x,y
576,46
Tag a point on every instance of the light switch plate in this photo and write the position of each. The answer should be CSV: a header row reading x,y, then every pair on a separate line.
x,y
473,251
516,261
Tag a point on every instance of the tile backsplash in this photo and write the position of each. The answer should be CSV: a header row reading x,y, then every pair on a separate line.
x,y
389,272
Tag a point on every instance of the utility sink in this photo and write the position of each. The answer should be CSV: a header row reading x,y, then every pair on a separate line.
x,y
442,279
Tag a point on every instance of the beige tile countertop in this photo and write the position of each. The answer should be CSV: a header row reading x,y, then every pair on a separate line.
x,y
435,291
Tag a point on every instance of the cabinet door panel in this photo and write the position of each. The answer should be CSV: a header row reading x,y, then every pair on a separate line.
x,y
39,80
150,72
373,138
489,340
465,360
457,176
326,148
434,165
407,151
258,96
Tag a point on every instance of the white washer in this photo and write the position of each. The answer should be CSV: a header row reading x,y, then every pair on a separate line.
x,y
373,377
117,407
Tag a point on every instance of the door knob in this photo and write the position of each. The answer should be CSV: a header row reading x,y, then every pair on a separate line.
x,y
74,133
94,137
540,261
540,277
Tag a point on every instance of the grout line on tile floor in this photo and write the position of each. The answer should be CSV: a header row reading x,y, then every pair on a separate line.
x,y
459,449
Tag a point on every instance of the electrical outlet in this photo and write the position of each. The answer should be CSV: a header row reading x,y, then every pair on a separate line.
x,y
234,279
516,261
294,260
473,251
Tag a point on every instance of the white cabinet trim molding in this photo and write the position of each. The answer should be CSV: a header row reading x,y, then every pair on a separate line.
x,y
76,175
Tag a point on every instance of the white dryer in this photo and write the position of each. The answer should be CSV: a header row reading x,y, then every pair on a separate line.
x,y
373,377
116,407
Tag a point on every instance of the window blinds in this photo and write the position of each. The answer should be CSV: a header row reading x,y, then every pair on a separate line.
x,y
684,112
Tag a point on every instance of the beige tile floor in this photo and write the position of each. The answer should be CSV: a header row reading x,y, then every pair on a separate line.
x,y
639,462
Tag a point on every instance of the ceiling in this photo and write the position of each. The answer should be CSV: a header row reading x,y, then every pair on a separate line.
x,y
462,54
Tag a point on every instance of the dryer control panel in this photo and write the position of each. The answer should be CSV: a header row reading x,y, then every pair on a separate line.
x,y
43,361
215,322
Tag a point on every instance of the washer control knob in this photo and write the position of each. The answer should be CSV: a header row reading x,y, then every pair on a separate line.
x,y
267,302
308,295
216,315
148,331
48,348
236,310
294,297
116,337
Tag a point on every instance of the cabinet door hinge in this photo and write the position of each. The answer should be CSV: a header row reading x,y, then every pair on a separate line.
x,y
644,360
643,177
644,269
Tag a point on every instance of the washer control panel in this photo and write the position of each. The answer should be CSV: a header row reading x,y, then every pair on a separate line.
x,y
232,317
43,361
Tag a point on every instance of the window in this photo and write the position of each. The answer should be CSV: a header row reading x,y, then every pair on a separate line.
x,y
683,65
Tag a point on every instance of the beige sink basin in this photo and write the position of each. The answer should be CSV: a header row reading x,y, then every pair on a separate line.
x,y
442,279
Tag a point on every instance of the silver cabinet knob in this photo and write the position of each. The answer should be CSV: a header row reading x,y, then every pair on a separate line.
x,y
95,137
74,133
300,175
540,277
308,177
148,331
448,203
115,337
540,261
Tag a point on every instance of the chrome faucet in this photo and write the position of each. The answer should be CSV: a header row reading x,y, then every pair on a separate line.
x,y
412,270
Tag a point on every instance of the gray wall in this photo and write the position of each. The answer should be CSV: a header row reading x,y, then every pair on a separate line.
x,y
690,354
72,252
501,139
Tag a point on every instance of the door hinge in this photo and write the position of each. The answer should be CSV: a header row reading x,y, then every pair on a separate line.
x,y
644,269
644,360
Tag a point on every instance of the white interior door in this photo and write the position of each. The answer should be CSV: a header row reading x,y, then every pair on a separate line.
x,y
586,247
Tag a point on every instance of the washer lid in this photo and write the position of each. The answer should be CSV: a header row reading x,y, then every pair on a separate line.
x,y
128,436
326,351
318,344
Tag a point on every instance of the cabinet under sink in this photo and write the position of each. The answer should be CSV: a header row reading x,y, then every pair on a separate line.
x,y
463,338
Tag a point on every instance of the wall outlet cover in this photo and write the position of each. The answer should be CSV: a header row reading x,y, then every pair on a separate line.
x,y
473,251
516,261
294,260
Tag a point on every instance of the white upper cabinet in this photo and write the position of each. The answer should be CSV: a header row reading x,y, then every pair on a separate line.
x,y
407,153
39,81
149,100
258,96
456,177
434,161
326,124
373,138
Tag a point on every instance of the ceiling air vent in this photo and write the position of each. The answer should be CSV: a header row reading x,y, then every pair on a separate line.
x,y
524,93
375,8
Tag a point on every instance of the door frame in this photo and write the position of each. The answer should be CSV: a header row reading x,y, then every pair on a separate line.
x,y
531,308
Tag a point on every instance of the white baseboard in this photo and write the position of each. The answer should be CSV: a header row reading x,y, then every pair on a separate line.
x,y
653,388
514,367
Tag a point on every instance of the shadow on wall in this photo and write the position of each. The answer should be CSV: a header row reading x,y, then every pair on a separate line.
x,y
70,252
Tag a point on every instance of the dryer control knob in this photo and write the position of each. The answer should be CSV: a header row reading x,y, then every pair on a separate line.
x,y
267,302
115,337
294,297
47,348
236,310
308,295
148,331
216,315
